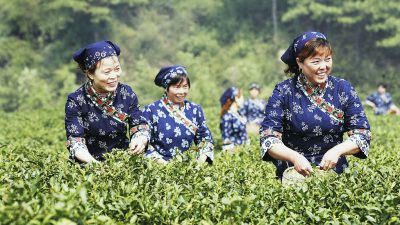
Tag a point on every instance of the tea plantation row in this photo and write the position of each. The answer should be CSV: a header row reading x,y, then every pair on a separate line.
x,y
40,186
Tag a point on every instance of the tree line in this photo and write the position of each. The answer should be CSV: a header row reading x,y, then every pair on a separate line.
x,y
221,42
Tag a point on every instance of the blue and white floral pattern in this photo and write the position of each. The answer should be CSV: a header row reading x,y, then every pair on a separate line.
x,y
312,131
383,102
170,134
90,128
172,73
233,129
253,110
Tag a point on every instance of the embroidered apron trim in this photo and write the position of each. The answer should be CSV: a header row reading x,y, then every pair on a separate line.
x,y
365,132
315,95
105,104
178,115
271,132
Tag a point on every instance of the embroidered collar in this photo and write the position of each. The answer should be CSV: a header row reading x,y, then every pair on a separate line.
x,y
315,94
105,103
178,114
180,106
318,89
109,97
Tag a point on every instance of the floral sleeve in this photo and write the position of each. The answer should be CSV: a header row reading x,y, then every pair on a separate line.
x,y
244,110
203,138
356,122
74,128
137,124
272,126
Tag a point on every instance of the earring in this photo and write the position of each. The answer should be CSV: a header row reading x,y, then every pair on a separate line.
x,y
300,70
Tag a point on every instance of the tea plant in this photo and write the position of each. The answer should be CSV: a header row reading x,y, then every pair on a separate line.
x,y
39,185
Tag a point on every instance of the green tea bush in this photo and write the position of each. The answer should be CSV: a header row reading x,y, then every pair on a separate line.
x,y
39,185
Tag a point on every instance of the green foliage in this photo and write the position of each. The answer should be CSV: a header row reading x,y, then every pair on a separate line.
x,y
222,43
364,35
40,186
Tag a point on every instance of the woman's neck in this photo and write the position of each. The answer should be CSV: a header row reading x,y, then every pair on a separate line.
x,y
100,93
174,104
312,84
234,107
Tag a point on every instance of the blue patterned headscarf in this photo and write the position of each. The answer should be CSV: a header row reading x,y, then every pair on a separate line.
x,y
166,74
91,54
229,93
254,86
289,57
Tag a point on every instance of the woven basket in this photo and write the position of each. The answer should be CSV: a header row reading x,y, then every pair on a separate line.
x,y
292,177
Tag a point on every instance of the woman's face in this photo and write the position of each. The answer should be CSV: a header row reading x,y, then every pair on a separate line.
x,y
316,68
254,93
239,101
381,89
106,75
177,92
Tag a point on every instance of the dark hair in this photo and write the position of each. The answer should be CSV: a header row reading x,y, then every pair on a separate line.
x,y
178,80
384,85
227,105
92,68
313,47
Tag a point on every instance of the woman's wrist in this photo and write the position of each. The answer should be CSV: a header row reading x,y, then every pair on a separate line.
x,y
140,138
345,148
337,151
293,156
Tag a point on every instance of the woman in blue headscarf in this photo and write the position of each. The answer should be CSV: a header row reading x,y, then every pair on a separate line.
x,y
232,125
307,115
102,114
253,109
176,122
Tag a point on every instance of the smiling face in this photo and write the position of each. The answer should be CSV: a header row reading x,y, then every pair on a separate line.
x,y
315,60
254,92
316,68
177,92
105,77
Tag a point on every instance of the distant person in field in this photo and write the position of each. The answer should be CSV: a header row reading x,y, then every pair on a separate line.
x,y
308,114
381,102
103,114
174,121
232,125
253,109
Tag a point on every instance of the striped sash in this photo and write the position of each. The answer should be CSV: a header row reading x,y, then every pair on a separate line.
x,y
178,115
105,104
315,95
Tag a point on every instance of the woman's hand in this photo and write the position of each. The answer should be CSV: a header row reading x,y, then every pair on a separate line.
x,y
202,158
330,159
302,165
137,145
161,161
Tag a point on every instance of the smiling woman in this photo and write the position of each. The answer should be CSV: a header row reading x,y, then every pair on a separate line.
x,y
176,122
105,77
308,114
316,65
102,111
